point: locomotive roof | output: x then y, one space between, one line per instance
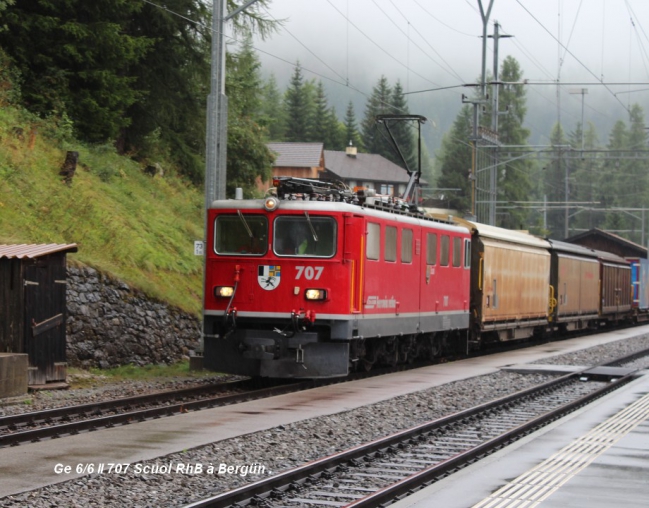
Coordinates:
339 207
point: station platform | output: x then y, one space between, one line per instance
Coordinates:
596 457
29 466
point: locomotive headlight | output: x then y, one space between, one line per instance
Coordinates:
223 291
271 203
315 294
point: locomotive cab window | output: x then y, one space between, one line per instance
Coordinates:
242 234
467 253
304 236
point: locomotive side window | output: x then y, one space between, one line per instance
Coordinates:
308 236
457 251
467 253
444 250
373 240
244 234
390 243
406 246
431 248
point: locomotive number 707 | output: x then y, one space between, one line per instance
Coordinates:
309 272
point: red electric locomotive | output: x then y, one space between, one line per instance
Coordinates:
317 281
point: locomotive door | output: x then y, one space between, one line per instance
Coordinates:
354 255
428 297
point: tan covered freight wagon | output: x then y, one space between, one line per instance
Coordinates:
510 283
574 286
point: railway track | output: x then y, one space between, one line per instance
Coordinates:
52 423
70 420
382 471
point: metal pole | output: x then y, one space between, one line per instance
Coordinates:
485 20
567 190
582 118
217 112
217 107
493 187
496 87
483 92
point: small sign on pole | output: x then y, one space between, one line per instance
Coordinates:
199 248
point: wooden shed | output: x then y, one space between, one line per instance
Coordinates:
33 307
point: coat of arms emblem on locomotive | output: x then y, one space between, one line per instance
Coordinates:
268 276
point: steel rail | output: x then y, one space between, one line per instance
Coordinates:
276 485
94 408
72 428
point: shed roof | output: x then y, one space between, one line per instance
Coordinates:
364 166
34 250
297 155
626 248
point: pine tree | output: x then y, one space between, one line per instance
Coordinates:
272 115
249 159
455 163
335 137
404 132
586 171
297 106
513 179
374 139
554 183
318 124
351 129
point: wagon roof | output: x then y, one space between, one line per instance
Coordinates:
518 237
573 248
34 250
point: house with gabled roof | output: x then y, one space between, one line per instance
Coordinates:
300 160
310 160
367 170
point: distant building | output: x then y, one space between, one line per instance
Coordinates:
599 239
301 160
365 170
309 160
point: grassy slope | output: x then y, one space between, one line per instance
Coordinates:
135 227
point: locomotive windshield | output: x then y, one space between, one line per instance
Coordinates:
305 236
242 234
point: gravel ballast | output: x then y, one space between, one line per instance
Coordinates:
272 451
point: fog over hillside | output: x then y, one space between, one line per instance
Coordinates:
429 44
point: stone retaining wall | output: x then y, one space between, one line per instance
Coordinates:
110 324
